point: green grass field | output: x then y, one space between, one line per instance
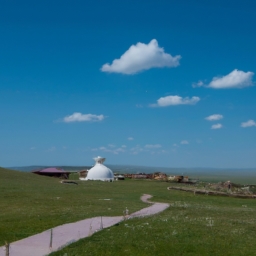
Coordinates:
193 225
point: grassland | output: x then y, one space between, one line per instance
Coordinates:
193 225
31 203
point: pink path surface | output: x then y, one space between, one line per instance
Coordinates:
39 244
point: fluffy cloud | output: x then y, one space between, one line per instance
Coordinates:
235 79
198 84
148 148
216 126
110 149
79 117
175 100
141 57
249 123
136 150
184 142
214 117
130 138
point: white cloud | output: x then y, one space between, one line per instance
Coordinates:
130 138
214 117
198 84
235 79
148 148
249 123
153 146
141 57
136 150
184 142
174 101
79 117
120 150
216 126
110 149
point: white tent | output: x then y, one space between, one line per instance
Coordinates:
99 171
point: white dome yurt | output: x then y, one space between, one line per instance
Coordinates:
99 171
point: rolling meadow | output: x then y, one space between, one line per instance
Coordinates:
192 225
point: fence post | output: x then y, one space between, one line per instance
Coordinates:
101 224
51 240
90 230
7 249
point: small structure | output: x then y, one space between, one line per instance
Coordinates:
139 175
53 172
128 175
160 176
83 173
119 177
99 171
181 179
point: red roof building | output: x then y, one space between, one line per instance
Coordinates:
53 172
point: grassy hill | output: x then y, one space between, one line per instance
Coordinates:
32 203
193 225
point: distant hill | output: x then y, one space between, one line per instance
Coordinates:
118 168
147 169
242 176
38 167
25 168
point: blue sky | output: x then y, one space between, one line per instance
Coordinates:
158 83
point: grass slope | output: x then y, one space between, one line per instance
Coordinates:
31 203
193 225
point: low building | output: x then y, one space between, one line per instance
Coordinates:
53 172
139 176
119 177
159 176
83 174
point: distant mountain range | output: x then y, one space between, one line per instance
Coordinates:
148 169
242 176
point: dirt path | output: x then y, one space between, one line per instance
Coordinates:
39 244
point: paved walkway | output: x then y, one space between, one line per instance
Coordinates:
39 244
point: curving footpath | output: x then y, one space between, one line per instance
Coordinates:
55 239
